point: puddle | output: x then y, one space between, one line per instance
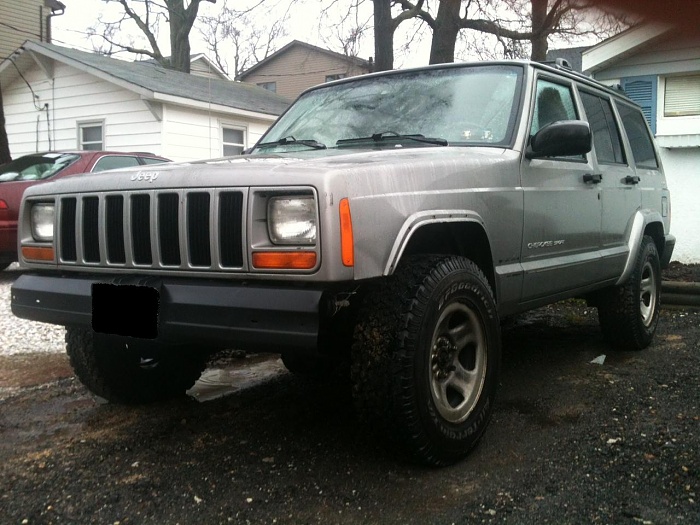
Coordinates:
218 382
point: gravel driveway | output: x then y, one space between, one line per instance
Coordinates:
19 336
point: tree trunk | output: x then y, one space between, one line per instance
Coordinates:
4 143
383 36
447 26
179 35
539 39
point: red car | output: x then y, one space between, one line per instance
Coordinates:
18 175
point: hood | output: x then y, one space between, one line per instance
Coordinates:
306 168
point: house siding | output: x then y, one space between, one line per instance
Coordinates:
300 68
72 97
27 19
192 135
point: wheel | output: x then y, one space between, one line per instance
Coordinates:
426 357
629 314
131 371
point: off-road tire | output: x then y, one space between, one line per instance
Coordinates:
128 371
398 371
629 314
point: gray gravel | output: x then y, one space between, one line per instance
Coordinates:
19 336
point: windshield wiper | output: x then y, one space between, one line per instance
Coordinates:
384 135
291 140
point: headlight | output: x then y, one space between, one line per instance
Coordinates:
42 222
292 220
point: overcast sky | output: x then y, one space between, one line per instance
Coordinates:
69 29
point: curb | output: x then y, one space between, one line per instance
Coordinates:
675 293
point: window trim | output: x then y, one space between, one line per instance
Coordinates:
236 127
103 157
81 124
664 90
616 119
578 107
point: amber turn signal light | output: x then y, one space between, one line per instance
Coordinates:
302 260
347 248
37 253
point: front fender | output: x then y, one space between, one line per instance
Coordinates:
420 219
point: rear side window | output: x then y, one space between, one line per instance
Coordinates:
638 136
114 161
606 135
149 160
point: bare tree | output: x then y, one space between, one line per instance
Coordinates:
515 25
245 39
348 25
147 16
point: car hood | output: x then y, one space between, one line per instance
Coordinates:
307 168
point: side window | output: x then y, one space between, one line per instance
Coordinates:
113 162
606 135
638 136
553 102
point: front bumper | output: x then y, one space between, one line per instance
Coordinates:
212 312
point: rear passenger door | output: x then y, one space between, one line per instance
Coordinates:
620 194
561 234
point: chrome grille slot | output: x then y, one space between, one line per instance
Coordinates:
68 244
115 229
169 229
198 240
141 229
91 230
231 229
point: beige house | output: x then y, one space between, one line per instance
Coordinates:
299 66
22 20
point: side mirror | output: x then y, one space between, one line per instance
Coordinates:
562 138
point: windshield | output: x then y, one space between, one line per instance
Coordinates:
473 105
36 167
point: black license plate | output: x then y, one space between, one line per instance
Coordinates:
129 310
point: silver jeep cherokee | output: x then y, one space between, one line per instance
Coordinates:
382 228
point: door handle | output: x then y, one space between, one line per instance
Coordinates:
593 178
632 179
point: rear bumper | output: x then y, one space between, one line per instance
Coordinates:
212 312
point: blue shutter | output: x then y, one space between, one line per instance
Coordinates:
643 91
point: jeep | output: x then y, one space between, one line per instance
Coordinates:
380 230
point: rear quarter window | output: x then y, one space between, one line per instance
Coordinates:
638 136
114 162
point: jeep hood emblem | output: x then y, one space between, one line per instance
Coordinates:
148 176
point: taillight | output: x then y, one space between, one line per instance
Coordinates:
3 205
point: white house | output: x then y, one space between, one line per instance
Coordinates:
60 98
659 68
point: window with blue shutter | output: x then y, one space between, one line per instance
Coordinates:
642 90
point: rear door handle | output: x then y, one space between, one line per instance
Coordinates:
593 178
632 179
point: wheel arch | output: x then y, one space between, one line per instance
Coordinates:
645 222
455 233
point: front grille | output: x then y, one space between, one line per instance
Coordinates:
187 230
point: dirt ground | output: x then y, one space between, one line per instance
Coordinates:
571 441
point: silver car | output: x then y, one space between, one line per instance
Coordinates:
379 230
